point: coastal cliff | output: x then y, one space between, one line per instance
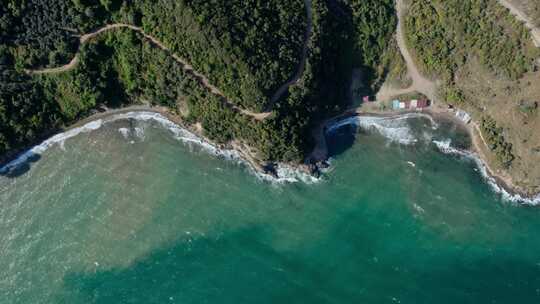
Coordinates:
267 76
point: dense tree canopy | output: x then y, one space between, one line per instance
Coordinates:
446 34
246 48
25 112
45 32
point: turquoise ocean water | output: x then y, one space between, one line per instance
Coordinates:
127 213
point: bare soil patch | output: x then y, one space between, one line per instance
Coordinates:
512 105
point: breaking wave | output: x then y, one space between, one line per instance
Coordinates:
285 173
124 131
445 146
394 128
57 139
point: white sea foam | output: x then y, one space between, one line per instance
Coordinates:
292 174
139 132
57 139
419 209
286 173
446 147
394 128
124 132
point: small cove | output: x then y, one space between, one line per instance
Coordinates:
129 213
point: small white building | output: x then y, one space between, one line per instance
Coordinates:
463 116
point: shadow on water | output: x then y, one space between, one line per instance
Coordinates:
422 129
459 134
21 168
235 267
414 273
241 266
341 139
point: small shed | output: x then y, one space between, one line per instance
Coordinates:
368 98
402 105
422 103
414 104
463 116
395 104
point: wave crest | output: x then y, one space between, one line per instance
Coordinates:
445 146
394 128
56 139
285 173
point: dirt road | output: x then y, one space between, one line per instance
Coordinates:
521 16
301 67
189 69
420 83
186 66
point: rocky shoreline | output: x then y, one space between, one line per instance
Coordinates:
502 182
317 161
502 179
270 171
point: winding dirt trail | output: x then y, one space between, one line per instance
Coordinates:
189 68
420 83
521 16
302 66
186 66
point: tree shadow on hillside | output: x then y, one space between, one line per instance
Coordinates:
341 139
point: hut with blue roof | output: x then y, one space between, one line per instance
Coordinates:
395 104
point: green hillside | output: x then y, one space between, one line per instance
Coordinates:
246 49
265 73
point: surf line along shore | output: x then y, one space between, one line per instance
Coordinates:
189 134
308 172
500 182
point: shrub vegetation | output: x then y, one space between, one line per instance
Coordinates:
246 48
446 34
496 141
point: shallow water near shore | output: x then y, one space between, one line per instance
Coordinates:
127 213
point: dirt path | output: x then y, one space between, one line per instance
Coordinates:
521 16
186 66
301 67
387 92
420 83
189 69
